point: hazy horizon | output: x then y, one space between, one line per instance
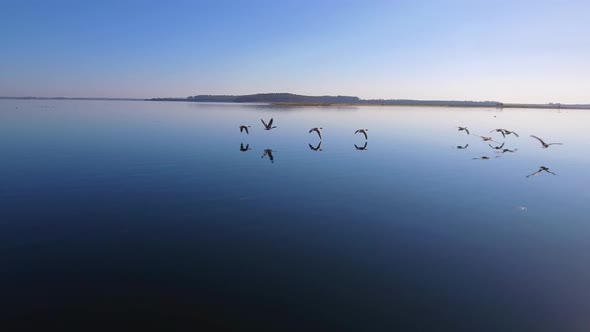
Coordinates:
529 52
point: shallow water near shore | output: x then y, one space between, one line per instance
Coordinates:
150 211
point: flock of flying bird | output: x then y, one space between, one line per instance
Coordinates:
317 130
501 149
498 149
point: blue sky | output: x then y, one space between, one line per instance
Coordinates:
511 51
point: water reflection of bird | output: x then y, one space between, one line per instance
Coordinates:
463 129
541 169
268 152
244 149
497 147
362 131
364 147
268 126
501 131
316 148
317 130
484 158
243 127
462 147
545 145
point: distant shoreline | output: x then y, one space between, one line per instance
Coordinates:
541 106
268 99
73 98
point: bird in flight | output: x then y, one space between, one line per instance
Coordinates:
243 127
501 131
497 147
507 150
268 152
462 147
362 148
463 129
244 149
487 138
541 169
317 130
510 132
545 145
316 148
362 131
268 126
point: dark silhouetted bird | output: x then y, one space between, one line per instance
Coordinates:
507 150
510 132
242 128
317 130
463 129
541 169
545 145
488 139
268 126
362 131
268 153
501 131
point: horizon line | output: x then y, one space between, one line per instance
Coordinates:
260 93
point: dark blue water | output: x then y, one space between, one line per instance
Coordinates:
147 213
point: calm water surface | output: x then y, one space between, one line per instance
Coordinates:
147 212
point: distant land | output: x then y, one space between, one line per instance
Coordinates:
289 99
67 98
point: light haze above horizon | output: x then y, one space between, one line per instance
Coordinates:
509 51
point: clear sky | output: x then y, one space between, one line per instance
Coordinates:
510 51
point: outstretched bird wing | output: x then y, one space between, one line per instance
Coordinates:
515 134
319 134
270 122
246 128
540 140
264 123
365 133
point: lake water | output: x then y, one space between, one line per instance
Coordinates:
148 212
